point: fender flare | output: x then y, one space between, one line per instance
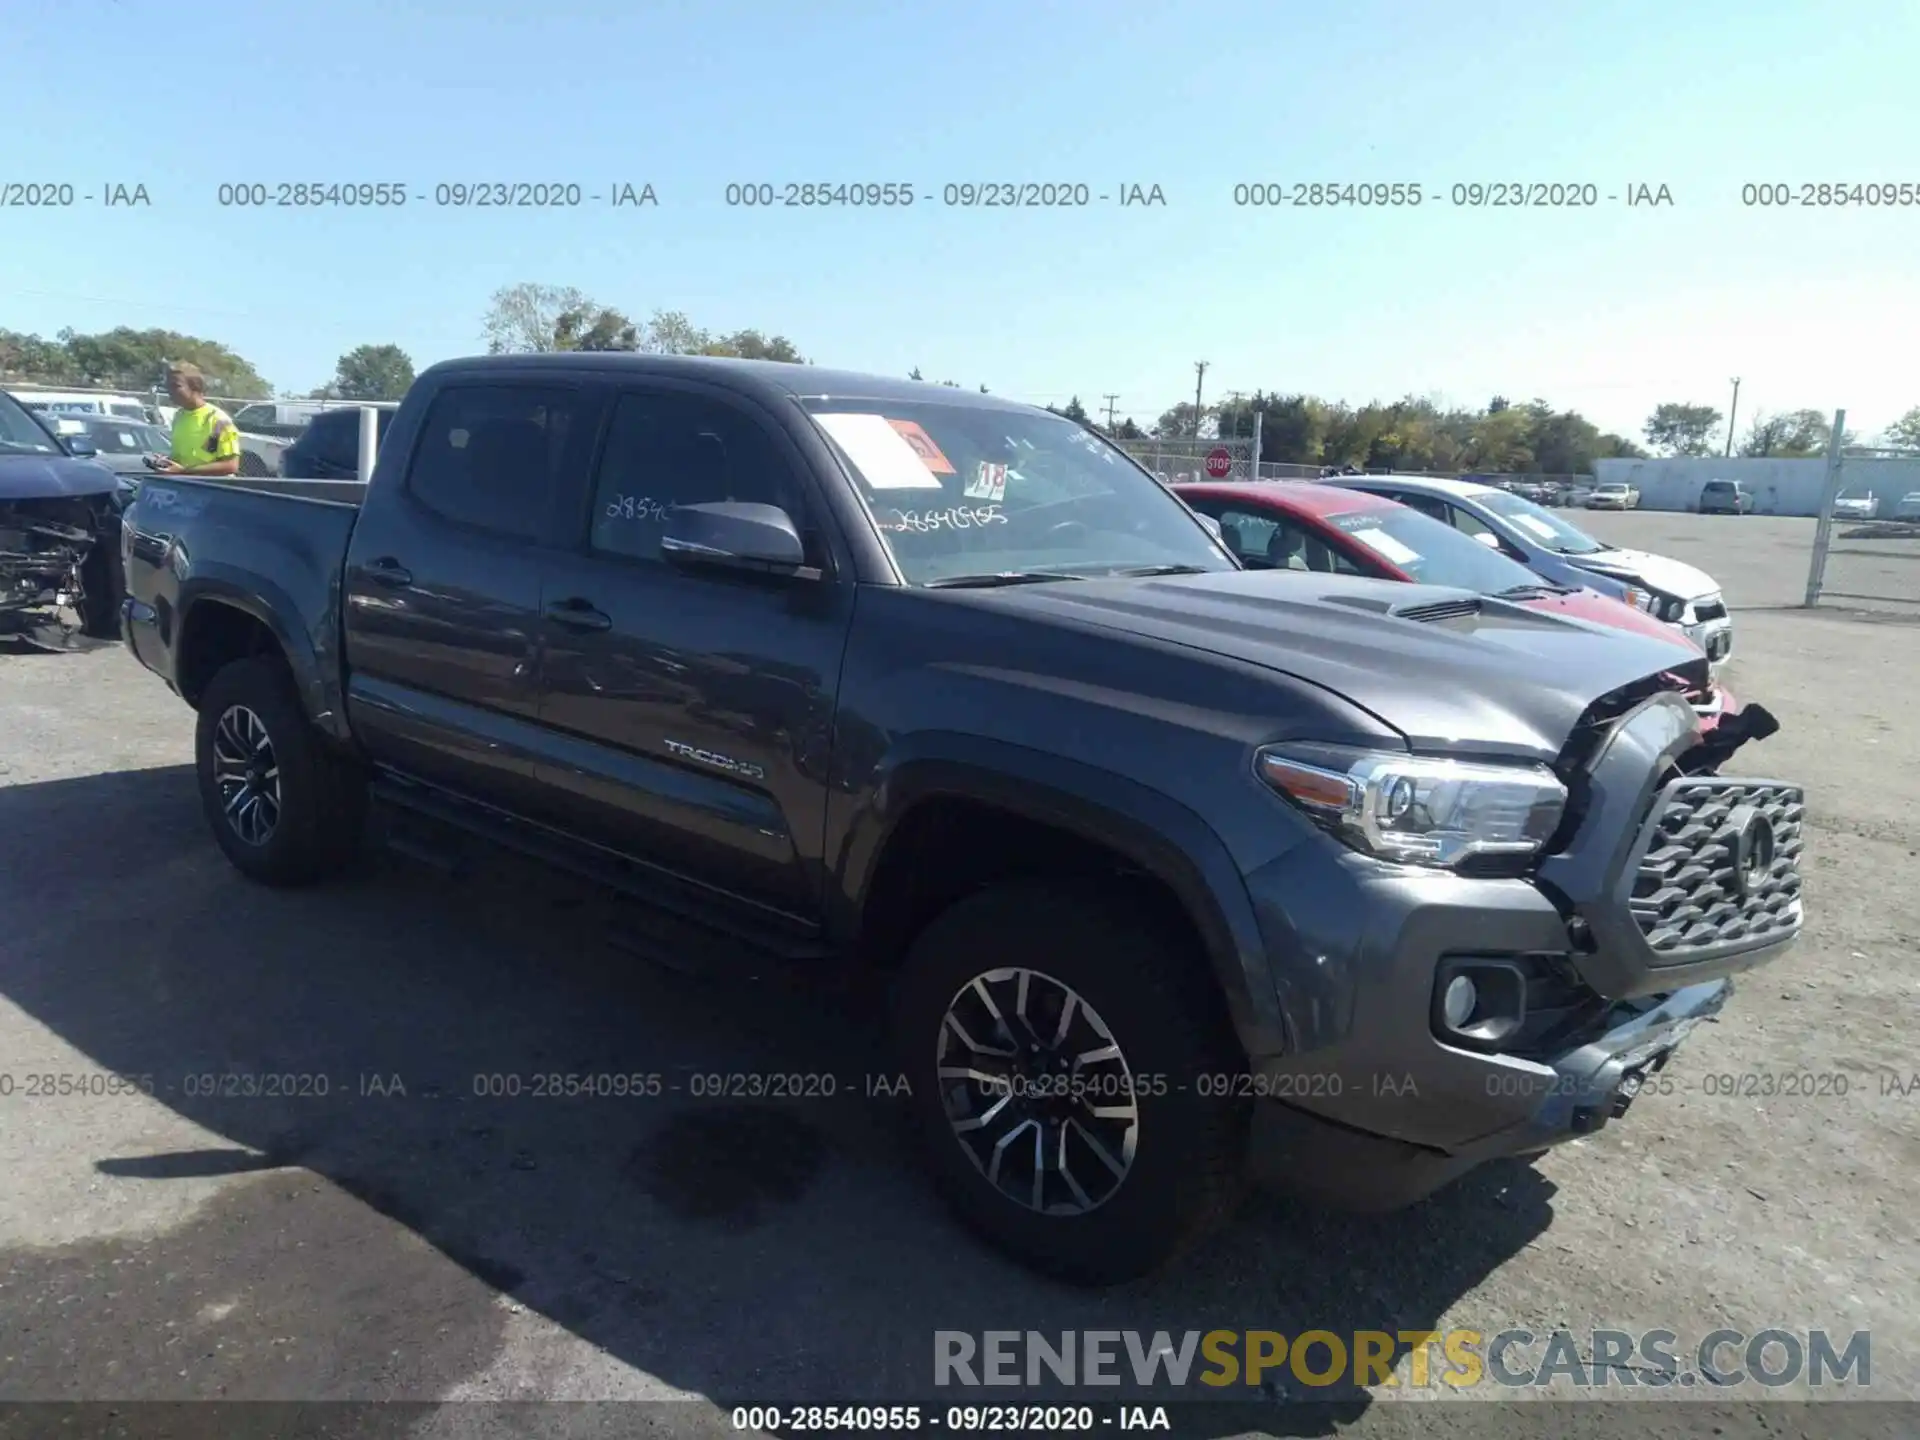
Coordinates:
266 602
1152 830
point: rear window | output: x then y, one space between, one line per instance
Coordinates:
491 456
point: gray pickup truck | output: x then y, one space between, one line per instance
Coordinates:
1178 874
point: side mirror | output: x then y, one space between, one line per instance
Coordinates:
735 535
81 447
1213 526
1488 539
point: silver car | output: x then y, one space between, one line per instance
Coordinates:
1856 505
1551 545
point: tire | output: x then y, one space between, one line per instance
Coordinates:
320 814
254 466
1154 995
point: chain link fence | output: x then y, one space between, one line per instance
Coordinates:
1176 462
1866 543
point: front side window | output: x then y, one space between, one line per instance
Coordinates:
961 491
491 455
668 448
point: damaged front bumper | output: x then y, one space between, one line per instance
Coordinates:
55 568
1673 880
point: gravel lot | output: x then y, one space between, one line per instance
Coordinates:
435 1245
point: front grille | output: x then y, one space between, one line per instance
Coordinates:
1700 887
1714 609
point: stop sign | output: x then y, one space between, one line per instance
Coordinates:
1219 462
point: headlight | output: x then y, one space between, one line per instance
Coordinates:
1417 810
1638 598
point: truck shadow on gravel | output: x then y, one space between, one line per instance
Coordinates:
397 1207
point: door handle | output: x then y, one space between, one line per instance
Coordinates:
579 614
388 571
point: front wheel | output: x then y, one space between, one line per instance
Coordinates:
1069 1067
285 808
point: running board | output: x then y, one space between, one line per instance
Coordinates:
666 921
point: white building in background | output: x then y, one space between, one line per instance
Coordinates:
1780 487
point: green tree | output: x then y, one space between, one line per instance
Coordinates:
1905 432
1177 423
1682 429
524 319
752 345
916 375
1792 434
373 372
595 327
124 358
29 357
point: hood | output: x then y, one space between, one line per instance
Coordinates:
42 477
1482 677
1657 572
1605 610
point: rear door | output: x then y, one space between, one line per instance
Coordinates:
442 585
689 712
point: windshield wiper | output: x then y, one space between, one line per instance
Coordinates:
1141 571
1004 577
1537 587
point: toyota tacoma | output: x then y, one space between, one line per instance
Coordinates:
1177 873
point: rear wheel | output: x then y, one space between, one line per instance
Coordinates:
285 808
1059 1042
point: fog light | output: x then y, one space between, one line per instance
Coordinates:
1462 995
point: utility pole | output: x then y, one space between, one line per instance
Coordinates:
1109 399
1199 374
1732 410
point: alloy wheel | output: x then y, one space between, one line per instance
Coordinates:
247 775
1037 1091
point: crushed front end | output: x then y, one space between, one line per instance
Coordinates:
55 568
1466 1018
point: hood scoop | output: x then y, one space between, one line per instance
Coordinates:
1438 610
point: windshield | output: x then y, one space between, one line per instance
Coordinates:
1543 527
1431 552
126 437
966 490
20 433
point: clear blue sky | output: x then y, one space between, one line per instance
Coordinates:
1608 310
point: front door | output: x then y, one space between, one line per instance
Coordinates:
689 712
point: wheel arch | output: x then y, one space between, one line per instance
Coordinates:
1093 818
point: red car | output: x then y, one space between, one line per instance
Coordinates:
1289 525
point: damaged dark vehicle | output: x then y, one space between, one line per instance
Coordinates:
60 510
1176 873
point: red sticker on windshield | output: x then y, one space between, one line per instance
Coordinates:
924 447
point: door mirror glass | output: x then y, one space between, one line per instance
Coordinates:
740 535
81 447
1488 539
